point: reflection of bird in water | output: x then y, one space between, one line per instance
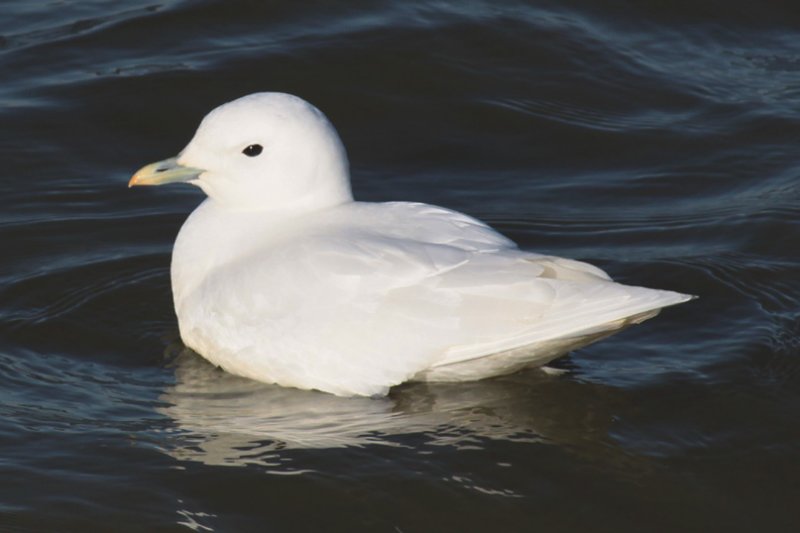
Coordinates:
222 419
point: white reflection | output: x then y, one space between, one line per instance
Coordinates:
226 420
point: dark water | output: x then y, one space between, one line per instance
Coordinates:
656 139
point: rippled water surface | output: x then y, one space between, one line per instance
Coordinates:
658 140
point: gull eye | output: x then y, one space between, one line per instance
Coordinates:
252 150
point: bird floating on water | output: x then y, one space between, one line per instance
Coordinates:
280 276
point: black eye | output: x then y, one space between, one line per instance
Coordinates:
252 150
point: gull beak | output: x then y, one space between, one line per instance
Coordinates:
166 171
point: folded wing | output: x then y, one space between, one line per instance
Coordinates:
425 293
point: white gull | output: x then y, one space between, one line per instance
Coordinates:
280 276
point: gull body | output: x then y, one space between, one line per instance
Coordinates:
280 276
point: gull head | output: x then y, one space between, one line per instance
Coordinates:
264 151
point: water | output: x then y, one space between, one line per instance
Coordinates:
657 140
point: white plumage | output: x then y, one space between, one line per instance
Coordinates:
281 277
